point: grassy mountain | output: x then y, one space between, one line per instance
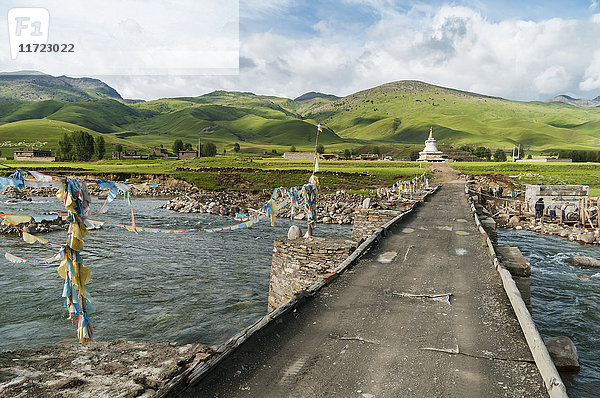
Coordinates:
567 100
402 112
37 86
393 115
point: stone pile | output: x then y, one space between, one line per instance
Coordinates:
335 208
13 193
36 228
40 192
301 262
573 233
368 220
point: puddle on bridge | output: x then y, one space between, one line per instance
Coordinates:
444 228
462 233
387 257
459 251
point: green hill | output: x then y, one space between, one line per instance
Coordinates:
402 112
45 133
103 116
393 115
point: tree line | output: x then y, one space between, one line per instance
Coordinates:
205 149
81 145
580 156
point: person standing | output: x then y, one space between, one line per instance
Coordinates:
552 210
539 209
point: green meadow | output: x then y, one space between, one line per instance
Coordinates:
240 173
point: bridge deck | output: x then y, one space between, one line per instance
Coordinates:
361 338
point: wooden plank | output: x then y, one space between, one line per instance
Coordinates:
552 380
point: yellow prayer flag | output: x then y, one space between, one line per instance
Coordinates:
33 239
131 228
15 219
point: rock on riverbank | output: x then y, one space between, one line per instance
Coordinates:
95 369
335 208
573 233
13 193
581 261
36 228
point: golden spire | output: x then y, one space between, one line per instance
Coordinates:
430 133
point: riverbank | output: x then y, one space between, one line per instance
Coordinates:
96 369
338 208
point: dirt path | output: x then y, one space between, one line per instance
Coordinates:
444 173
363 336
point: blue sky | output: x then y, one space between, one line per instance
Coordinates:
296 19
523 50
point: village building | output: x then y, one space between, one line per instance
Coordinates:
431 153
160 152
368 156
36 155
187 155
299 156
309 156
128 155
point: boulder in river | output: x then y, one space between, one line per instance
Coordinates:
582 261
563 352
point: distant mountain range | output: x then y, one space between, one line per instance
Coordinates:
397 115
38 86
567 100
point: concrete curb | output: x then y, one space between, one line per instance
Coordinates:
197 372
552 381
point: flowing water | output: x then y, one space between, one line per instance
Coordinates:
182 287
563 303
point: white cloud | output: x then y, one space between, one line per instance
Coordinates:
553 79
594 4
592 75
454 46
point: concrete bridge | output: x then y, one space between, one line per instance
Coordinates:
424 313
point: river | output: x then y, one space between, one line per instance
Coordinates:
564 304
179 287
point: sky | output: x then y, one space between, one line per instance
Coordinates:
522 50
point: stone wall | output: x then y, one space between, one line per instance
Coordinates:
367 221
299 263
560 193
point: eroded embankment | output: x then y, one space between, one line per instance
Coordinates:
95 369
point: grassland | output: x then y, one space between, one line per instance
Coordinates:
44 133
241 173
547 174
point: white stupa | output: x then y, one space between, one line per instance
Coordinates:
431 153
